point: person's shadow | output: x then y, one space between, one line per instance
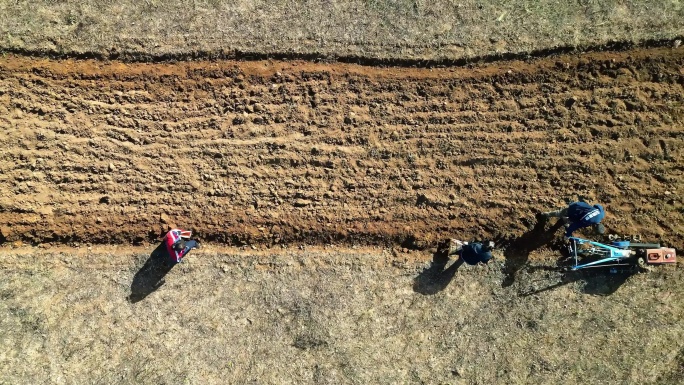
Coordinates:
437 276
517 250
150 277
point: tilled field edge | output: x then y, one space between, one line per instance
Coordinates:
145 56
434 30
271 152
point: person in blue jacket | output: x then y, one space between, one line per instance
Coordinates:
475 252
472 253
579 215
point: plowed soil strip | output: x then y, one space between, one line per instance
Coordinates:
275 152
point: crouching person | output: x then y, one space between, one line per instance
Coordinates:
578 215
178 244
472 253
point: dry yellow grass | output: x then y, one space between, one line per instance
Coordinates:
405 29
329 316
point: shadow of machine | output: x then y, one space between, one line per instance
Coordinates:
601 281
605 267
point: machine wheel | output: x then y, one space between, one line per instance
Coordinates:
642 265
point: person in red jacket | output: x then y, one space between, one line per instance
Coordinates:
177 246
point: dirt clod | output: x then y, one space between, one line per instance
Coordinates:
302 203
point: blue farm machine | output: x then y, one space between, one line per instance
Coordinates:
619 253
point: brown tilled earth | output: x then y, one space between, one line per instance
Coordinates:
275 155
278 152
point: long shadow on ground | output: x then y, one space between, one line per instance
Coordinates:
601 281
437 276
517 250
597 281
150 277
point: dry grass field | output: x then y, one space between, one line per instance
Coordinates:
329 316
378 29
320 189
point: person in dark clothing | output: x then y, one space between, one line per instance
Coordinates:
475 252
472 253
579 215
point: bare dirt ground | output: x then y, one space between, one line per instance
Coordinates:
280 152
328 316
282 155
368 29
